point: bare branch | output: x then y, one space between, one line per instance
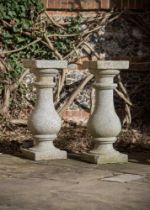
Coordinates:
75 94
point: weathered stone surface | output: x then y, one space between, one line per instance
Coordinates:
104 124
45 64
112 157
123 178
70 185
107 65
44 122
54 154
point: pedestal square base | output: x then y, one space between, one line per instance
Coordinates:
101 158
44 155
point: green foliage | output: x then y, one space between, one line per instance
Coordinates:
20 24
74 25
65 45
15 67
23 12
17 16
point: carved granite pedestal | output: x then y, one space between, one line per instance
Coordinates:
44 122
104 124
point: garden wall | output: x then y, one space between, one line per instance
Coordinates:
72 5
126 39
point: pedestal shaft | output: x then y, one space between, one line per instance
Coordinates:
44 119
104 124
44 122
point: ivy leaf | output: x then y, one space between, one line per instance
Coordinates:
20 39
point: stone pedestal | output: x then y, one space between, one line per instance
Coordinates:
44 122
104 124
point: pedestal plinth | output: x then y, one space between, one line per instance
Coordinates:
104 124
44 122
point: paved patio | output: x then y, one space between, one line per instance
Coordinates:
73 185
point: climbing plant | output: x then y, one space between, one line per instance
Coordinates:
24 33
27 31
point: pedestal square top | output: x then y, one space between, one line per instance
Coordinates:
107 65
45 64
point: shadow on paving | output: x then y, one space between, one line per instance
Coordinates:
136 154
72 185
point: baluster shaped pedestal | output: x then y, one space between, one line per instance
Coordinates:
44 122
104 124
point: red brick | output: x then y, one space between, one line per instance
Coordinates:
105 4
124 4
73 4
45 2
132 4
75 115
95 4
139 4
146 4
115 4
69 13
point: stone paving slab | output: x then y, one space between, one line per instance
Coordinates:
71 185
123 178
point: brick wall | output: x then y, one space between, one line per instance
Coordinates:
88 8
83 5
